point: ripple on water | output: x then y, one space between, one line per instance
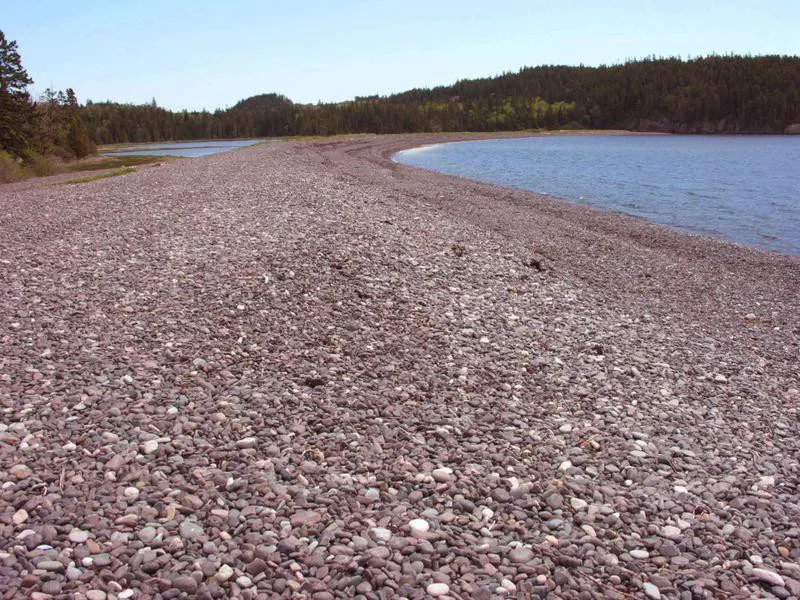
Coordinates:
744 189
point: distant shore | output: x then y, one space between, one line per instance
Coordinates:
305 369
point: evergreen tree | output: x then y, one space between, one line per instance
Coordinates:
717 94
77 138
15 105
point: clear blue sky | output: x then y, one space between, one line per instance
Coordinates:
210 54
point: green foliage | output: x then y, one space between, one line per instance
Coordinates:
78 139
263 102
736 94
732 94
111 162
40 133
37 164
15 107
10 168
110 123
59 127
30 164
89 179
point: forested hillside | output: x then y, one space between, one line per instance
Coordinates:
717 94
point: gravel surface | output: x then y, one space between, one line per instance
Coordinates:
300 370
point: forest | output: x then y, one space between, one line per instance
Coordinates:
36 135
714 94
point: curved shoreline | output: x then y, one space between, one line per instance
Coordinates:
633 250
692 227
259 372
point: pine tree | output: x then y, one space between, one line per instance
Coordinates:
15 104
78 141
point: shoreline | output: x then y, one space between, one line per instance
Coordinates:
687 229
711 262
302 369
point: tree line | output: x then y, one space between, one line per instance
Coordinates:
35 133
715 94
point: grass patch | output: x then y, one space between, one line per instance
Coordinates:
12 169
114 162
34 165
117 173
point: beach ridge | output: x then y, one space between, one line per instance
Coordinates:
305 370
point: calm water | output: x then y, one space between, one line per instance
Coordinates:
185 149
745 189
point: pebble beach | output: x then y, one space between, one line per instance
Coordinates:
301 370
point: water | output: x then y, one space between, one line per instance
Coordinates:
185 149
744 189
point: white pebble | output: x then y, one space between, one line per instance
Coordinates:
671 532
651 591
381 533
578 504
248 442
419 525
442 475
768 577
765 481
131 493
224 573
149 446
78 536
438 589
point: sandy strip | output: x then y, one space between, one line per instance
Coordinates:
303 370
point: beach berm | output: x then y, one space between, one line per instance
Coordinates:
301 370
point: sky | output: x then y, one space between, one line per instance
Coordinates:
212 53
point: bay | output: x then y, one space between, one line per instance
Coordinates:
744 189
